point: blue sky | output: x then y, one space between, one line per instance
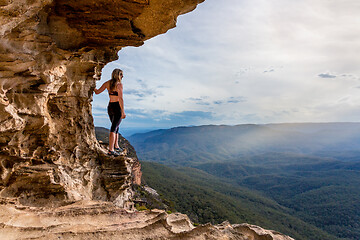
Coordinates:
244 61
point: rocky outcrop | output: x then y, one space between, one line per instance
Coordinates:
51 54
43 183
103 220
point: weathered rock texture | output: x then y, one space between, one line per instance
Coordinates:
101 220
51 54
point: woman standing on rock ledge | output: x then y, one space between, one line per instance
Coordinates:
115 108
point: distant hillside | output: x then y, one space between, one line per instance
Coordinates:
102 134
312 169
187 145
205 198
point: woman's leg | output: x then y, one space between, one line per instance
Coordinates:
116 145
112 134
115 118
112 138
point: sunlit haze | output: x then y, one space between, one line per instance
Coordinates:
244 61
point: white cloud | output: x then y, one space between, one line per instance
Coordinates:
264 61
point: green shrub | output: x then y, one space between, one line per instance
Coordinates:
140 208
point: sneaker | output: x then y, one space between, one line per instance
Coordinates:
118 149
113 153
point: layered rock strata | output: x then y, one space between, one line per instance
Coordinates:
51 54
103 220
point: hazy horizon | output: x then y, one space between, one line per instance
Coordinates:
129 131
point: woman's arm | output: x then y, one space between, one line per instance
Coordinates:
101 89
121 100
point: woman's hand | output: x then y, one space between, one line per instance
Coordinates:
123 115
101 89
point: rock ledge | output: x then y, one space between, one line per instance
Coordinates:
103 220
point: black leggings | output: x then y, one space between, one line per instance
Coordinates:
114 111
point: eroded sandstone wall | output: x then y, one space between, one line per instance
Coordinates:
51 54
